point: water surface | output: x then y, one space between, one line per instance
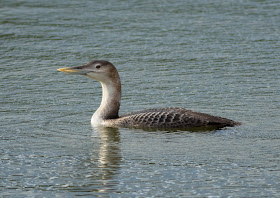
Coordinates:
218 57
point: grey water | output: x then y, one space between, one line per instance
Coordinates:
216 57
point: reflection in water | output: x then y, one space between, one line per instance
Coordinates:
109 157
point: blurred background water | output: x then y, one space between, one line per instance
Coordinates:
217 57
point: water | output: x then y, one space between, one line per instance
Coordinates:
218 57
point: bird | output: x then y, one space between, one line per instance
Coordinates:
107 114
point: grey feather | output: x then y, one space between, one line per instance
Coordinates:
172 118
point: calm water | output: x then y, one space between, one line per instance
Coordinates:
218 57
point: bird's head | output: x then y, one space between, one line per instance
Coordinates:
100 70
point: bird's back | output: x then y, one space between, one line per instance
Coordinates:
165 118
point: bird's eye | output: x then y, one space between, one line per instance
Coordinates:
97 66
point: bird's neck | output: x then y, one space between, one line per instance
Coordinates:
110 104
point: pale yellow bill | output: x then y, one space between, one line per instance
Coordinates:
68 70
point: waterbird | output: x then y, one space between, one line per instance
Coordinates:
158 118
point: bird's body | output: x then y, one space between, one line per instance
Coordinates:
173 118
162 118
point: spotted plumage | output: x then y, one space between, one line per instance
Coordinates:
167 118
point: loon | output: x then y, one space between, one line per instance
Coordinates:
160 118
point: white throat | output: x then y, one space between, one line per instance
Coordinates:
110 104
